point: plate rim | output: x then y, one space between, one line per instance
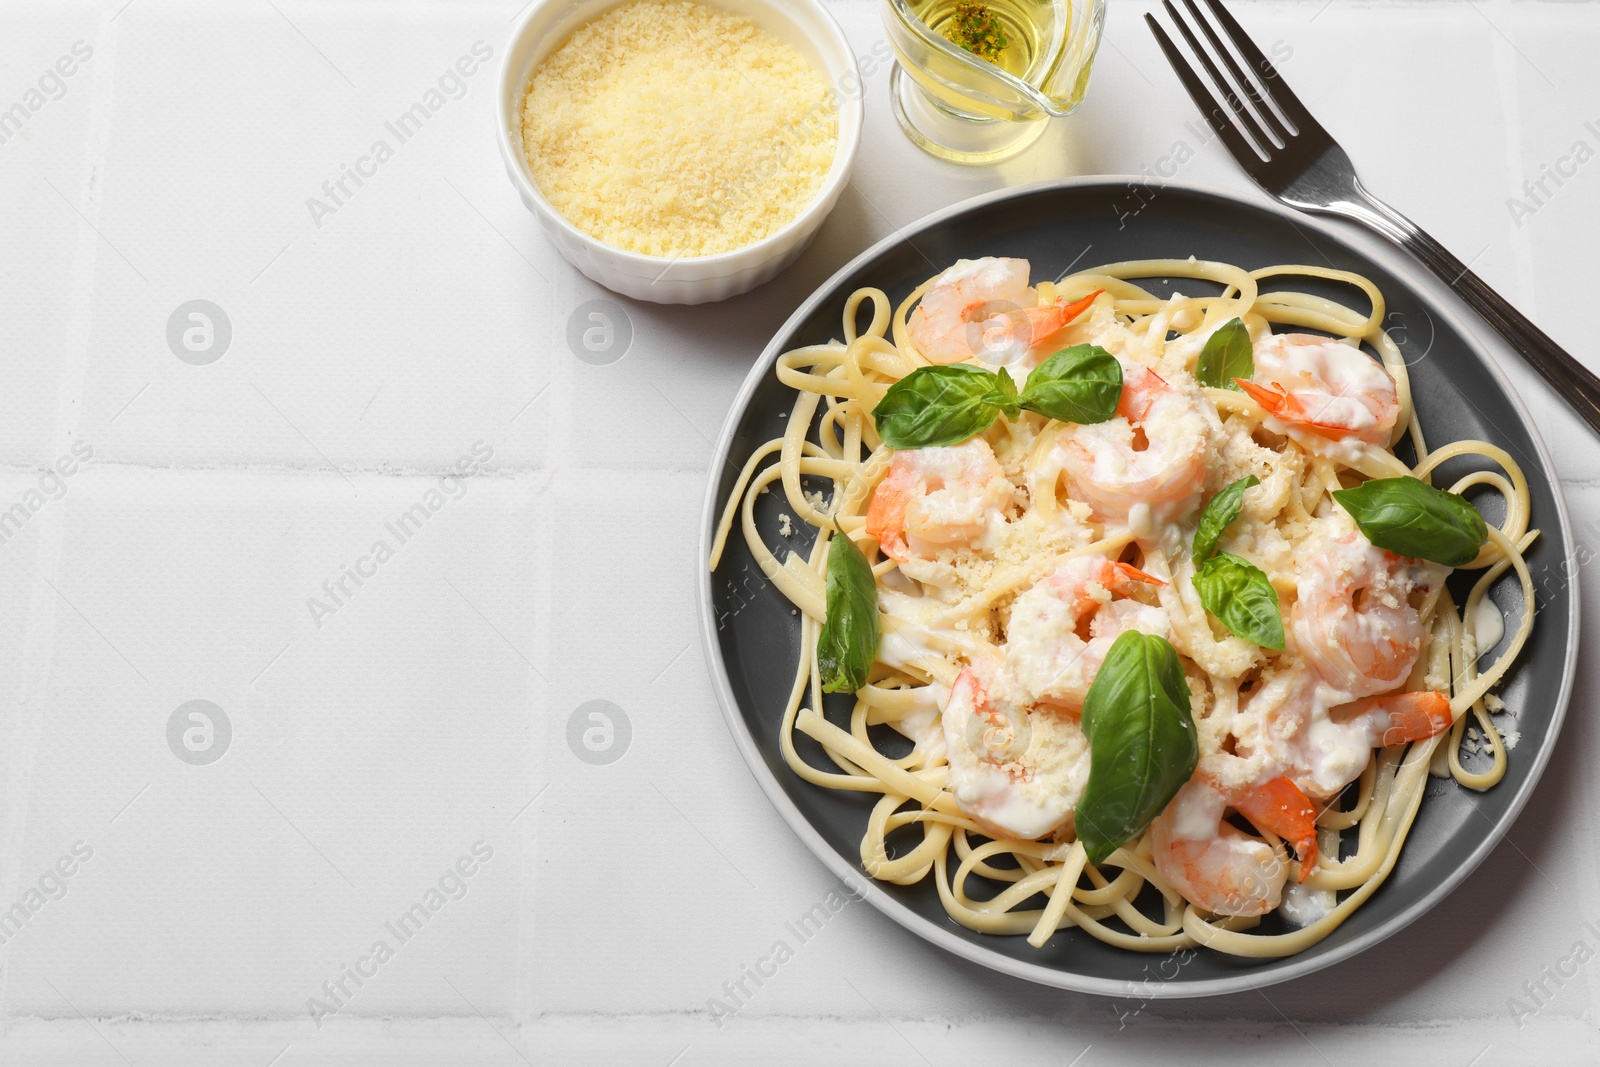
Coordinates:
929 931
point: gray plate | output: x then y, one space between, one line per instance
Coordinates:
751 638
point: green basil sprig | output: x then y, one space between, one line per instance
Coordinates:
946 405
1142 742
1240 594
849 640
1411 518
1231 587
1226 356
1219 514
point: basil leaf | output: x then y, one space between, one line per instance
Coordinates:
1226 356
941 405
1219 514
849 640
1079 384
1411 518
1142 743
1240 594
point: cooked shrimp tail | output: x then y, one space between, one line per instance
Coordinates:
1399 717
1044 323
1276 401
1280 807
1126 576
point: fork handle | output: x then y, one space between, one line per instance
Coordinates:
1571 380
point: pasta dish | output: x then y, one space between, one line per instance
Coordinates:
1139 601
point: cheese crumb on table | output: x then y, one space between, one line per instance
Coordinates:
672 128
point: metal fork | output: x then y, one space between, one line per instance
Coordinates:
1297 162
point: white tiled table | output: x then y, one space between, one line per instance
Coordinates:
374 746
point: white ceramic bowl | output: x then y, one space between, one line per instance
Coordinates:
804 24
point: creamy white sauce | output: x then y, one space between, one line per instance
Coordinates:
1333 753
910 637
1303 905
1488 624
921 725
981 787
1197 813
904 646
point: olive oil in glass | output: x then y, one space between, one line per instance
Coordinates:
975 82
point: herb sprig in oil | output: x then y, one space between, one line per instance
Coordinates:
975 28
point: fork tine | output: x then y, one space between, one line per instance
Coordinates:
1276 88
1213 112
1241 115
1264 112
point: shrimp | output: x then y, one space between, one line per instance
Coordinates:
985 309
1147 462
1306 729
1018 772
1397 718
938 498
1332 389
1353 619
1219 868
1060 630
1335 743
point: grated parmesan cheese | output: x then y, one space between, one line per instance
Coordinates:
672 128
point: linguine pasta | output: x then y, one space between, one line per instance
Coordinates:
957 618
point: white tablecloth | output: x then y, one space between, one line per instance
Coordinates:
380 732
